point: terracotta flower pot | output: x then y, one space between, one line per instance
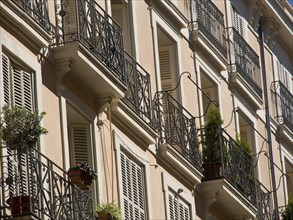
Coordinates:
19 205
80 178
104 216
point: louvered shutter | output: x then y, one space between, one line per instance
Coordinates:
178 209
120 15
284 75
206 102
80 143
22 89
133 189
238 22
165 69
6 79
244 133
290 185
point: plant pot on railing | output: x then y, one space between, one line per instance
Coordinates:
82 175
108 211
19 205
212 149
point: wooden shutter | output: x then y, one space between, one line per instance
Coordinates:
178 209
133 189
120 15
206 102
80 143
283 74
6 79
22 89
289 179
238 23
165 69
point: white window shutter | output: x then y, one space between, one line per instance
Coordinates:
80 143
165 69
133 189
178 209
6 79
238 22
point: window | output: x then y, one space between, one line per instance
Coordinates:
211 93
18 85
178 208
134 202
18 91
80 141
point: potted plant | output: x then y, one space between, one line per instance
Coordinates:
211 141
82 175
20 130
287 214
108 211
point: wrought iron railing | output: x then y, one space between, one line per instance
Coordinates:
236 166
37 9
86 22
284 102
210 21
138 94
33 185
176 126
244 60
263 202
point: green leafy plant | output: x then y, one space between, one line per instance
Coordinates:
242 143
211 138
21 128
85 168
110 208
287 214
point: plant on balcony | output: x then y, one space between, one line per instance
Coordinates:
211 142
82 175
287 214
21 128
242 143
108 211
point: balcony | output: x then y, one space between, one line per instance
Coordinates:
232 179
136 110
91 42
29 18
138 94
177 135
34 187
244 67
284 104
208 23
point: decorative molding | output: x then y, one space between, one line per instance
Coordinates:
63 66
257 10
271 30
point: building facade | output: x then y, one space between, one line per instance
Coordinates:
135 89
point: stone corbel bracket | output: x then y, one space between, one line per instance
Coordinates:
271 30
63 66
102 105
